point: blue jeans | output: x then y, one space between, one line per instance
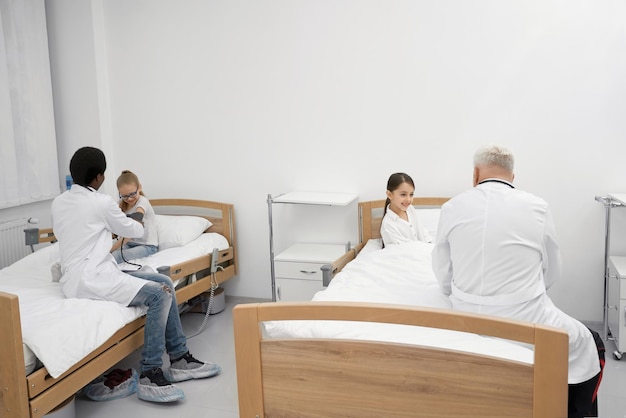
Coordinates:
132 250
163 330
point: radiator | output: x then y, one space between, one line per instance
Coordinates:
12 243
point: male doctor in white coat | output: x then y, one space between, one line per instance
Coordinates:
83 222
496 253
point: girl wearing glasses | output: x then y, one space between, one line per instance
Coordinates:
133 203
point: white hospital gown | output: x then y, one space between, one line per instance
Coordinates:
395 230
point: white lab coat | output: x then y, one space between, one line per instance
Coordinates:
83 221
395 230
496 253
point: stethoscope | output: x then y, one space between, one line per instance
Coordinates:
497 181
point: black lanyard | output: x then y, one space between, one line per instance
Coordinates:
497 181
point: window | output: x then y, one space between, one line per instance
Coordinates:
28 156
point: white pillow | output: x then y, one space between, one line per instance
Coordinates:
175 230
429 219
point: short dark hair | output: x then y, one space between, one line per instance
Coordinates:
86 164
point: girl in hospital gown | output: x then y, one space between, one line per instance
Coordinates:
400 222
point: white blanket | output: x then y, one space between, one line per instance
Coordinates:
61 331
402 275
58 330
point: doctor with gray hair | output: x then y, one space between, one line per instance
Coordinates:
496 253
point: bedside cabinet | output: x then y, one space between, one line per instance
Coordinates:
296 273
616 313
298 269
614 306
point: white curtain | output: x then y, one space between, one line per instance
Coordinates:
28 154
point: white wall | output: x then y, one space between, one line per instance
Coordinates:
232 100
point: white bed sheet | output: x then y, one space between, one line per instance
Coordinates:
61 331
202 245
400 274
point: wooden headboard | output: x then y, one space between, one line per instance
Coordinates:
220 214
371 214
309 378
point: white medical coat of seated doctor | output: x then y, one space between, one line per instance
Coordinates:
83 221
496 253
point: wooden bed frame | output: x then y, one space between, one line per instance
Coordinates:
38 393
349 378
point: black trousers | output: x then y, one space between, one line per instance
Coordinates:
583 397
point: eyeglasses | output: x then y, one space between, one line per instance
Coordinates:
129 195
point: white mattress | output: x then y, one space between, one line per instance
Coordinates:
60 331
400 274
202 245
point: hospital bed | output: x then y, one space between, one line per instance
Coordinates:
382 340
79 339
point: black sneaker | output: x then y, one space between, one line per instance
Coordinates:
154 387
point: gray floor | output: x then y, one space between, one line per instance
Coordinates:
217 397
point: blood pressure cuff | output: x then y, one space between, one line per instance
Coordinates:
138 216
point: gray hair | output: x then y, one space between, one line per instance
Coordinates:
494 155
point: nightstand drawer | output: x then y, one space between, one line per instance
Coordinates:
289 290
300 271
617 271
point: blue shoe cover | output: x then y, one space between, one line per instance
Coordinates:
206 370
102 388
152 393
187 367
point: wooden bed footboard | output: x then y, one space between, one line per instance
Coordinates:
335 377
13 390
37 394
